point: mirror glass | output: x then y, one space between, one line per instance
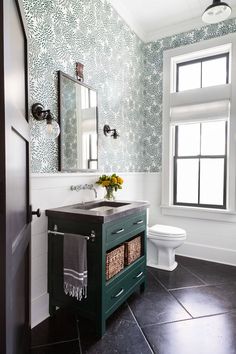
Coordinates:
78 114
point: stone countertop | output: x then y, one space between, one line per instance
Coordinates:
84 212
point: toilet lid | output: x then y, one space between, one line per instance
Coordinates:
165 230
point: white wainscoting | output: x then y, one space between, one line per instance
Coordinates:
206 239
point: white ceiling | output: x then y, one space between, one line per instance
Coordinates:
154 19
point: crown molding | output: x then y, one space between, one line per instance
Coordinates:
177 28
194 23
128 17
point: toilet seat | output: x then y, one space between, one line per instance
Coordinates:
166 232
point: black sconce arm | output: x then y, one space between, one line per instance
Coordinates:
39 113
107 130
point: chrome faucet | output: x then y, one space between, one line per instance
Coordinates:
84 186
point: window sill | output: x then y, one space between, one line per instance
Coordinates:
199 213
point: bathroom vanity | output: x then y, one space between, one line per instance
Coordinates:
108 225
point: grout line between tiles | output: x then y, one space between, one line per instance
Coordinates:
168 322
201 286
136 321
190 287
233 311
172 295
195 286
79 337
194 274
54 343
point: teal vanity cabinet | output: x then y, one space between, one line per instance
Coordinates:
106 230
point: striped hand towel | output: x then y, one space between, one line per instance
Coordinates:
75 266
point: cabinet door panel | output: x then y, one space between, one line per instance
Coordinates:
126 228
117 293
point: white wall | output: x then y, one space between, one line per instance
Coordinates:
206 239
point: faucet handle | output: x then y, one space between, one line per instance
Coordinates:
85 186
76 188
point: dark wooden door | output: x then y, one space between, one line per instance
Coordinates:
15 216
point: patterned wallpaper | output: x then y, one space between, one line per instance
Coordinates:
62 32
126 72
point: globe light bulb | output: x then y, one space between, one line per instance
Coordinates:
50 129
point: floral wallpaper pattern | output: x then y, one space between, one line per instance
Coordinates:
126 72
62 32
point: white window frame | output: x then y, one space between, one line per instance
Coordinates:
170 59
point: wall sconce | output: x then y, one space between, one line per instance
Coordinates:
107 130
51 128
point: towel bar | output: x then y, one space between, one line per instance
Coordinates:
91 237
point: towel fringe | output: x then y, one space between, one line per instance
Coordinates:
75 291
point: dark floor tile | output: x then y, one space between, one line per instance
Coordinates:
210 272
60 348
178 278
208 300
155 305
216 334
123 335
87 327
59 328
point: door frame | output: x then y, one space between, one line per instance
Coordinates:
5 242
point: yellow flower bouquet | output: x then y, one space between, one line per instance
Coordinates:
111 183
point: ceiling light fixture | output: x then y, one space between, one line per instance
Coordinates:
217 12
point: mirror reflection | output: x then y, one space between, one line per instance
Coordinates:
78 115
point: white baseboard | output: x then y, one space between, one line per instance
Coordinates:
39 309
208 253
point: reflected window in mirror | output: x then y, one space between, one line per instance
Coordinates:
78 114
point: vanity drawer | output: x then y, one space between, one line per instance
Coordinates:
118 232
116 294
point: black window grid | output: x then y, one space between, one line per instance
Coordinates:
201 60
199 157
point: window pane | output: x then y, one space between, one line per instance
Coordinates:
93 98
189 139
84 97
211 181
214 72
213 138
189 76
187 181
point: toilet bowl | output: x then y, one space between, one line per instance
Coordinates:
165 240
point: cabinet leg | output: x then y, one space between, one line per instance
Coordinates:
52 308
101 327
142 287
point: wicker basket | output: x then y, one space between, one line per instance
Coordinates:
132 250
114 261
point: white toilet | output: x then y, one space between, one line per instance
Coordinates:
165 239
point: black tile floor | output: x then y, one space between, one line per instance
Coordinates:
191 310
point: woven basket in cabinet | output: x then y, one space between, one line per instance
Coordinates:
132 250
114 261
